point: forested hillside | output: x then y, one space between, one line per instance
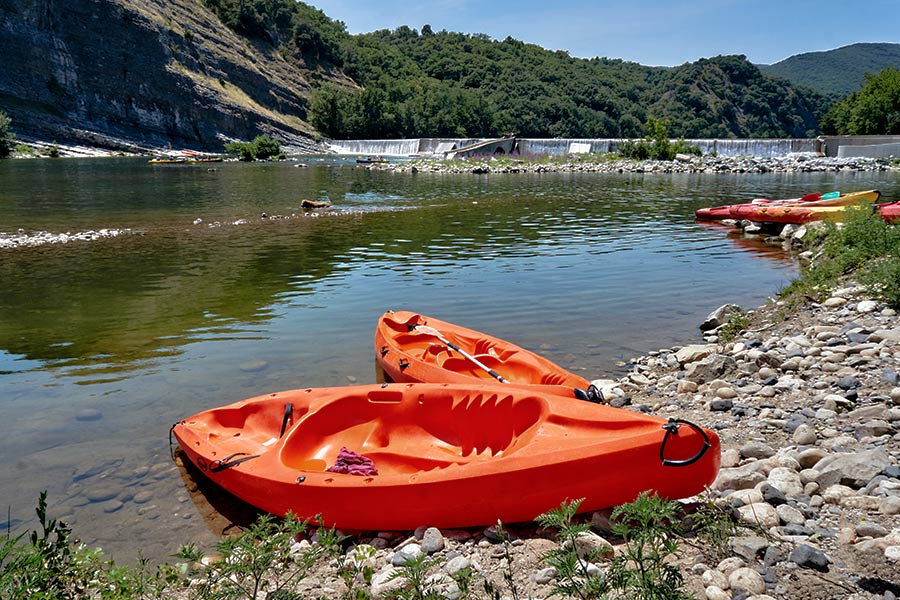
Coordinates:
442 84
430 84
836 72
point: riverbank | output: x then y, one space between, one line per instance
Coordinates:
609 163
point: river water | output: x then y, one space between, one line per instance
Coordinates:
105 344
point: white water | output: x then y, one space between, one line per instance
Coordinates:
767 148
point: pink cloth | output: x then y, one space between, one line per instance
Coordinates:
351 463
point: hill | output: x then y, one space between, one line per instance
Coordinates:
149 73
837 72
451 84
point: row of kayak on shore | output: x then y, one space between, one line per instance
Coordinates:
472 429
829 206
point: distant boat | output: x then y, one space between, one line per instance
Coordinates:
166 161
366 161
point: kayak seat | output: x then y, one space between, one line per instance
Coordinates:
413 434
251 422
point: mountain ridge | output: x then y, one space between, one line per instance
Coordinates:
839 71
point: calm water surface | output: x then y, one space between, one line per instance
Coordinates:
105 344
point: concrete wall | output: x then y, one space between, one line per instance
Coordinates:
829 145
869 151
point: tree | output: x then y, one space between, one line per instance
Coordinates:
7 138
872 110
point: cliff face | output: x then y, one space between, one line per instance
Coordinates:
135 74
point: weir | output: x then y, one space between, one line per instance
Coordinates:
441 147
843 146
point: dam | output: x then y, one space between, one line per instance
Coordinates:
844 146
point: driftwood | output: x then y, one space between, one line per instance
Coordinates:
314 203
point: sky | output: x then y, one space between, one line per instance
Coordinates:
649 32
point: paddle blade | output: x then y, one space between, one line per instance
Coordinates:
427 330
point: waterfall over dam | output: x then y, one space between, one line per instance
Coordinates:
439 147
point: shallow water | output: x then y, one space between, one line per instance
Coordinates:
105 344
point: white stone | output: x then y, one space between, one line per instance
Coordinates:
746 580
716 593
715 578
759 513
787 480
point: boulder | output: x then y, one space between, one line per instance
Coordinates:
720 316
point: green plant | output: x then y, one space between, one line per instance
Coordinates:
735 325
865 246
650 528
259 563
355 567
415 576
713 526
508 575
574 577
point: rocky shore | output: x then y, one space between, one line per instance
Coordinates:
806 401
595 163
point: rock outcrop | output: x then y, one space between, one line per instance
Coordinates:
140 74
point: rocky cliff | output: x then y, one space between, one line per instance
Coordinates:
141 74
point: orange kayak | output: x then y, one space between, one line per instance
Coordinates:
414 348
398 456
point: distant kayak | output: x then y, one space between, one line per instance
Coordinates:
741 210
414 348
889 212
399 456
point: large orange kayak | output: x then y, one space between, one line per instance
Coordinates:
718 213
414 348
443 455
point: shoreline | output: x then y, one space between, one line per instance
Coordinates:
806 401
603 163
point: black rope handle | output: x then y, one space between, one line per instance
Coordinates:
230 461
672 429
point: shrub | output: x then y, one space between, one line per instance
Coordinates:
261 148
865 246
7 138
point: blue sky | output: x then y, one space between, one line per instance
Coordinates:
651 32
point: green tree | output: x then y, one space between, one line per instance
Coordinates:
7 138
872 110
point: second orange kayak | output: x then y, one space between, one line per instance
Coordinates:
413 348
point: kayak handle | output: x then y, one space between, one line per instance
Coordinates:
672 429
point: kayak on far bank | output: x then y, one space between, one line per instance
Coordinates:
761 207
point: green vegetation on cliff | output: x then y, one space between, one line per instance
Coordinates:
7 139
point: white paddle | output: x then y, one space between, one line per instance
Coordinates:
435 333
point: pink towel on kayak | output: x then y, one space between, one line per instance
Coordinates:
351 463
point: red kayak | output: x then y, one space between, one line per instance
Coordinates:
889 212
399 456
417 349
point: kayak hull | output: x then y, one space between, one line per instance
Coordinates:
408 355
890 212
446 455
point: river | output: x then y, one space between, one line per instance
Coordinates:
202 301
